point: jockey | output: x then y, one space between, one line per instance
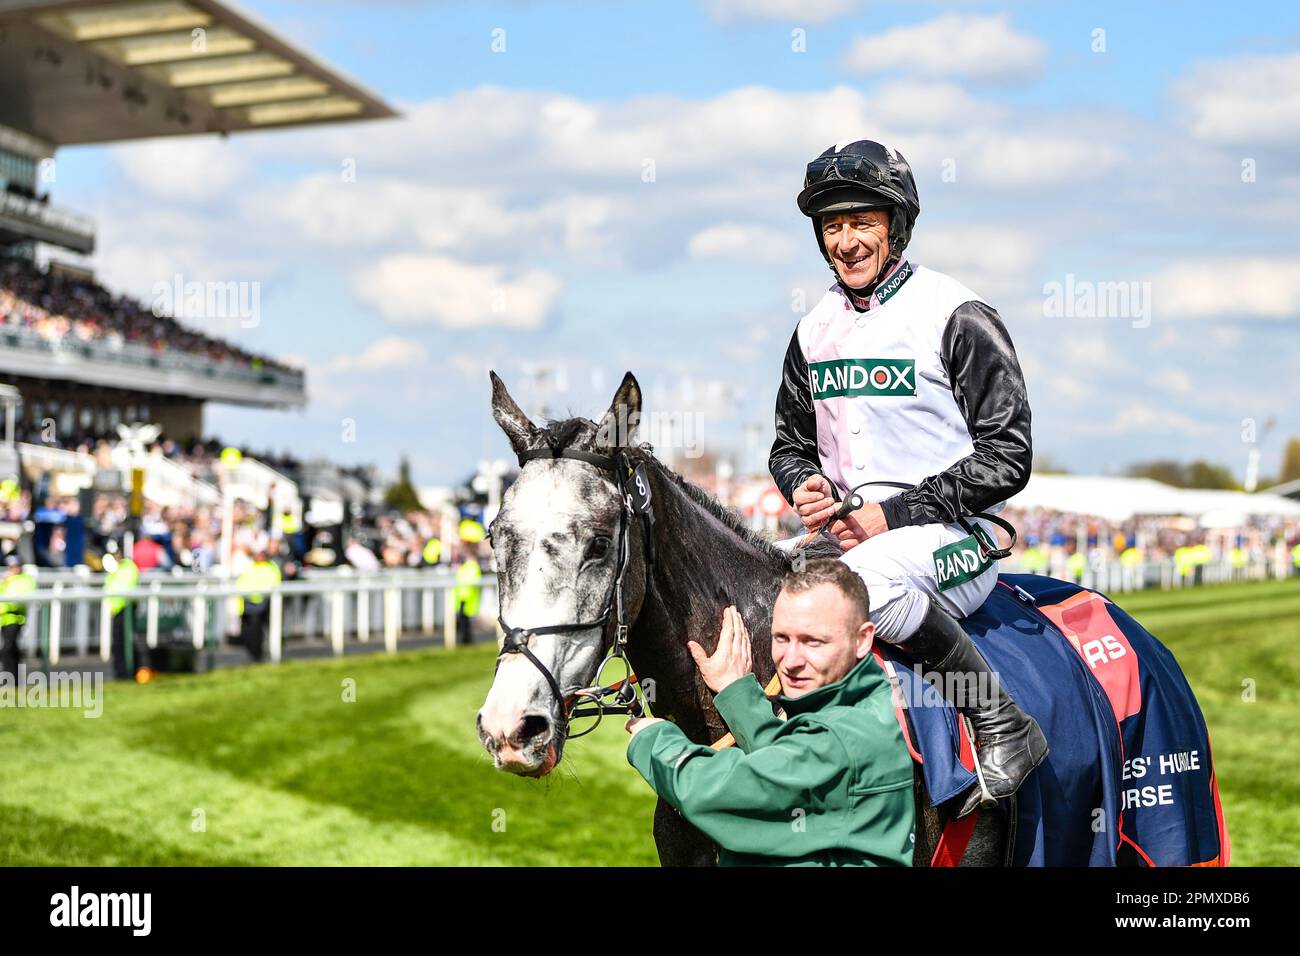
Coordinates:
902 378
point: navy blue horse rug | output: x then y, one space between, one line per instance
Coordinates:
1130 777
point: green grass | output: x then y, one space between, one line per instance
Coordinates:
286 772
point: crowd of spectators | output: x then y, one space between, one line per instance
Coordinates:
1159 537
1057 535
200 458
60 307
187 537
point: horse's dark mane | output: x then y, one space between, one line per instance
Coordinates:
572 432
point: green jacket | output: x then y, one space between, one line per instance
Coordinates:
830 786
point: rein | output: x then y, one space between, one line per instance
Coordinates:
853 501
634 494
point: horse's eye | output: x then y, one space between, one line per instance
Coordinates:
597 549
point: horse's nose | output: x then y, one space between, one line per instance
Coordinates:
514 737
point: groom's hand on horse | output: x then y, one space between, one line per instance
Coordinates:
814 502
731 659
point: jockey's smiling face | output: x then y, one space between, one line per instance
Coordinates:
858 244
817 637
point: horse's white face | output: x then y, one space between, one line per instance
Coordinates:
556 540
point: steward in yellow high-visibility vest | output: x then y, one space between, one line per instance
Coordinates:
1034 560
432 552
123 576
17 583
258 580
1130 557
471 531
1295 556
1075 565
13 616
466 595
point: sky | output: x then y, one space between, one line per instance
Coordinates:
575 190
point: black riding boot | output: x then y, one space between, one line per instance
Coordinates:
1010 742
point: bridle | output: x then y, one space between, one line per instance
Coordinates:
634 497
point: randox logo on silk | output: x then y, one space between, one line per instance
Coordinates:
895 283
958 563
851 377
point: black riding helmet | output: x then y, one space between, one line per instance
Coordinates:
862 175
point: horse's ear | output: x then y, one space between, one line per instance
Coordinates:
517 426
619 424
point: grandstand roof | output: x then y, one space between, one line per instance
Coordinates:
93 71
1289 489
1118 499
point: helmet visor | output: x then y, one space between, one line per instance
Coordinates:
832 199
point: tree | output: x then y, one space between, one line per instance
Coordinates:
1196 474
1203 474
1168 472
401 494
1291 461
1045 464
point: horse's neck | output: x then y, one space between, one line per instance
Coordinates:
702 566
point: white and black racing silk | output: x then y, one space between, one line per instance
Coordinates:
923 388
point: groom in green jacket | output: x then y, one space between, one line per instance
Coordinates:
829 783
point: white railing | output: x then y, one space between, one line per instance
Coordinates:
255 480
78 618
1112 576
56 459
165 481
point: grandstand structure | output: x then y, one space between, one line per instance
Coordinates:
82 359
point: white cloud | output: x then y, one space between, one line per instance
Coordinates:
796 11
1173 380
142 244
1089 353
979 48
1248 100
194 170
1037 160
390 209
993 262
1218 288
388 352
471 366
1070 389
1227 337
1142 418
924 104
552 147
424 288
742 241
